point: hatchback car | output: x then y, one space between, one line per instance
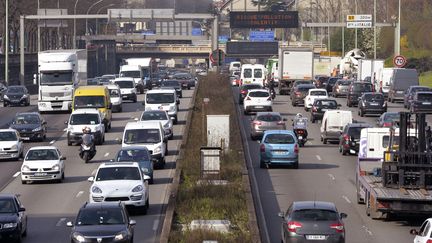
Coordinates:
102 222
12 218
30 125
388 119
349 141
424 235
257 100
299 93
11 145
312 95
341 87
173 84
279 147
356 89
300 82
320 106
186 79
310 221
16 95
138 154
422 102
162 117
43 163
410 92
264 121
371 103
244 89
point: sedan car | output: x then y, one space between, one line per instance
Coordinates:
257 100
30 125
422 102
11 145
300 82
186 80
349 141
298 93
341 88
410 92
371 103
12 218
138 154
356 89
43 163
173 84
264 121
102 222
310 221
244 89
312 95
388 119
16 95
162 117
320 106
279 147
424 235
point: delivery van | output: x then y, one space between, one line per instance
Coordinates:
333 123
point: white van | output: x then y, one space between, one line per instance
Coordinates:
252 74
234 66
115 97
333 123
384 79
127 88
162 99
149 134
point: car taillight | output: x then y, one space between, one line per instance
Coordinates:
297 93
387 124
296 149
429 241
383 205
338 227
262 148
362 173
346 137
300 131
292 226
248 98
243 91
314 109
281 123
257 123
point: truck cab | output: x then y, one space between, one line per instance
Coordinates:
135 72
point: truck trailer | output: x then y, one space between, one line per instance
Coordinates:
294 64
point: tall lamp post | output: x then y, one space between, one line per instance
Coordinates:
6 48
74 33
88 11
97 12
398 31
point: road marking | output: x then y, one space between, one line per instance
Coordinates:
332 176
106 154
318 157
59 223
52 142
79 194
367 230
16 174
346 199
155 224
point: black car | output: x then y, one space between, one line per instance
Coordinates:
186 80
349 141
30 125
299 93
13 220
372 103
173 84
410 92
356 89
299 82
320 81
422 102
330 83
320 106
102 222
244 89
16 95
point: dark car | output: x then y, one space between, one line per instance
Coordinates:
372 103
422 102
349 141
299 82
13 219
138 154
102 222
173 84
388 119
320 106
320 81
156 79
356 89
186 80
299 93
244 89
310 221
330 83
410 92
30 125
341 87
16 95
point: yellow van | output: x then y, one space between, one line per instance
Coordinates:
94 97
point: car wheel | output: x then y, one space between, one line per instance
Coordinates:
69 143
312 119
175 119
349 104
24 182
5 105
324 141
361 112
24 234
120 109
19 238
253 138
106 128
344 152
296 165
293 104
189 87
245 112
142 90
262 164
134 100
151 180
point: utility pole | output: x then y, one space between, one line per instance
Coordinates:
7 43
38 30
374 22
355 39
398 31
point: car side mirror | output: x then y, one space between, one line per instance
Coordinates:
90 179
44 122
66 122
132 222
143 103
118 140
21 210
69 224
343 215
35 79
146 177
136 119
178 102
281 214
63 158
413 232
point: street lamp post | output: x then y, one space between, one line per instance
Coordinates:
88 11
6 48
398 31
74 33
97 12
355 39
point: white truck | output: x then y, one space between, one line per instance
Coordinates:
60 72
368 70
384 80
294 64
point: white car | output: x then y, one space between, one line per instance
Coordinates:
43 163
127 88
121 181
81 118
11 145
162 99
115 97
162 117
312 95
257 100
424 235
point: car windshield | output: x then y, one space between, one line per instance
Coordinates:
132 155
56 78
42 154
418 89
170 84
259 94
7 206
15 89
103 81
374 97
253 86
118 173
247 73
279 139
8 136
130 74
269 118
318 93
332 80
100 216
391 116
302 88
315 215
160 98
344 82
182 76
303 82
89 102
327 104
125 84
84 119
424 97
114 93
152 116
355 131
364 87
133 136
257 73
23 119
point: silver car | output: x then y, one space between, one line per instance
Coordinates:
264 121
163 118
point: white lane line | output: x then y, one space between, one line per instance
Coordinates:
346 199
79 194
60 222
318 157
106 154
16 174
155 224
332 177
52 142
367 230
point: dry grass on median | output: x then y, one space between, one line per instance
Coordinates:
212 201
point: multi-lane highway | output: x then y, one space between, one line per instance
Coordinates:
49 205
323 174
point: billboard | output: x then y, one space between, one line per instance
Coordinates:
265 35
265 20
254 48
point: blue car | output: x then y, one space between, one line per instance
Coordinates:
279 147
138 154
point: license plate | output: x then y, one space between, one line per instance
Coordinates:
399 92
300 137
279 152
247 82
373 103
259 107
3 153
352 151
40 174
25 138
315 237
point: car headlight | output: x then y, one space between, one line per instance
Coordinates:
24 96
5 97
167 125
55 167
157 150
172 108
25 168
96 189
120 236
78 237
138 188
9 225
37 129
145 170
14 147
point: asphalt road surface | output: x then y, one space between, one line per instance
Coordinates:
323 174
49 206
